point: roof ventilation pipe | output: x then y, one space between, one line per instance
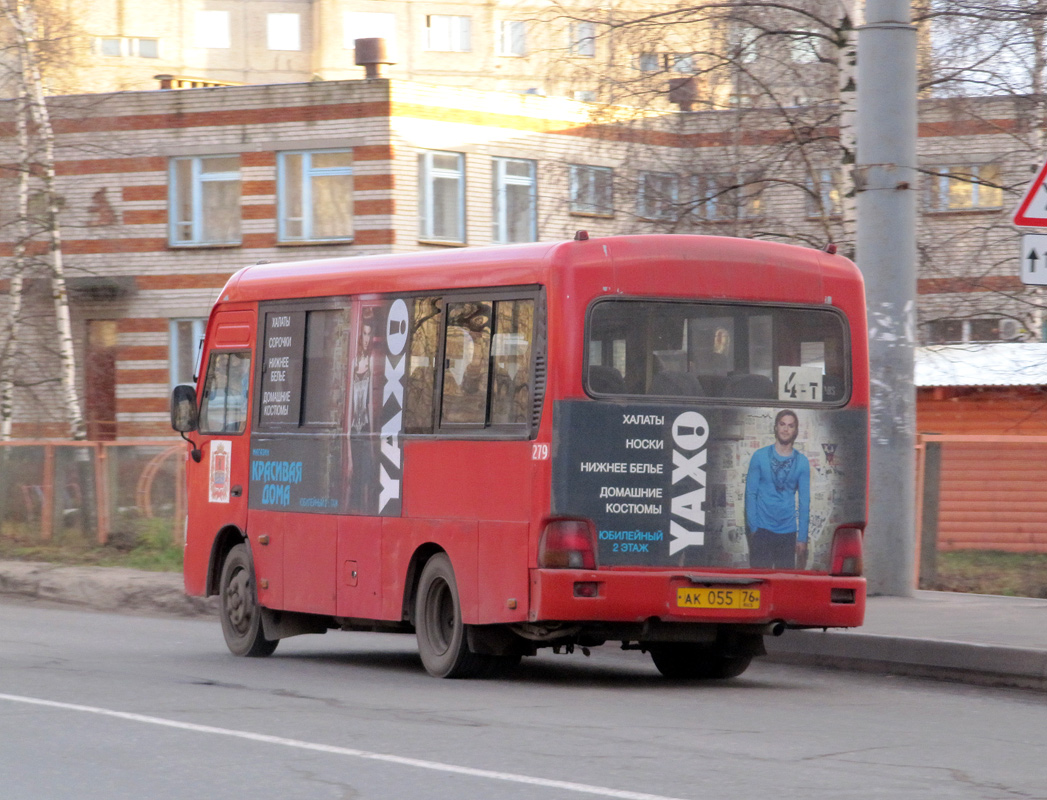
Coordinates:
372 55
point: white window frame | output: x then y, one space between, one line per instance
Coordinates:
582 39
663 200
713 203
136 46
501 180
585 190
683 63
199 328
512 38
102 41
824 194
199 177
942 176
213 31
745 44
649 62
427 174
448 33
283 31
308 173
805 47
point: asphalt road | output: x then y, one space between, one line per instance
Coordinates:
110 706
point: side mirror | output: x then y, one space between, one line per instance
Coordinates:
184 416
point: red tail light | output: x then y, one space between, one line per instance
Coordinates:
847 552
567 544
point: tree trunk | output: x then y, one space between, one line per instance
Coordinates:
19 14
9 354
851 16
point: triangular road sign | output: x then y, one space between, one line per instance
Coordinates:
1032 210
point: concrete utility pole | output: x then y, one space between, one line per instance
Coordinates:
886 252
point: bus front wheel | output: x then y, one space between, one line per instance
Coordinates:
240 613
685 661
442 642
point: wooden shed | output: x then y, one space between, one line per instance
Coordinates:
981 415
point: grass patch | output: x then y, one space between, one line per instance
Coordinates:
146 544
991 572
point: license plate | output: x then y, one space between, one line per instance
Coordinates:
690 597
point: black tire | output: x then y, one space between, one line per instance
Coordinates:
684 661
240 613
438 625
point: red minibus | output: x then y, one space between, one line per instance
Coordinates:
656 440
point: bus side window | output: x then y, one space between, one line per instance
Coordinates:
421 367
223 408
467 354
326 364
511 362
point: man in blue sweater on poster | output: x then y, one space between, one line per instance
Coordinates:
778 500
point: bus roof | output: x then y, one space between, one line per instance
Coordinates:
717 266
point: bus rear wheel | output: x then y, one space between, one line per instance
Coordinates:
442 641
240 613
685 661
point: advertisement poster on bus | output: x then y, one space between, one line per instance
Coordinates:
710 486
317 468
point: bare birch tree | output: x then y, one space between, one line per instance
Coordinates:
39 162
781 77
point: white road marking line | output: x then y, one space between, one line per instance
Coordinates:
436 766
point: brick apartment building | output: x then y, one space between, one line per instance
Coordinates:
167 193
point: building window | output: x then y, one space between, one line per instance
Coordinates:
146 48
212 30
584 95
441 196
316 195
449 34
185 345
110 46
649 62
824 196
727 197
658 195
804 47
744 44
205 200
591 191
969 187
684 63
957 331
514 201
512 38
283 31
115 46
582 39
369 25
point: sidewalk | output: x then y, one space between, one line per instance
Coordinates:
973 638
982 639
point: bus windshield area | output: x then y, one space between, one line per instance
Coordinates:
719 351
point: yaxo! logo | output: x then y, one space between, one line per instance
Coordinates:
396 327
690 433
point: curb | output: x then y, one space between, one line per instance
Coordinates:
963 662
135 591
104 588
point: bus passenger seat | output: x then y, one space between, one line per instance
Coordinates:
676 384
606 380
749 387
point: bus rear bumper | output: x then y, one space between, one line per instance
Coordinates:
635 596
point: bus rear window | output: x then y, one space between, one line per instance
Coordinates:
717 351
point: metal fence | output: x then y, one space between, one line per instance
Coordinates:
104 492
